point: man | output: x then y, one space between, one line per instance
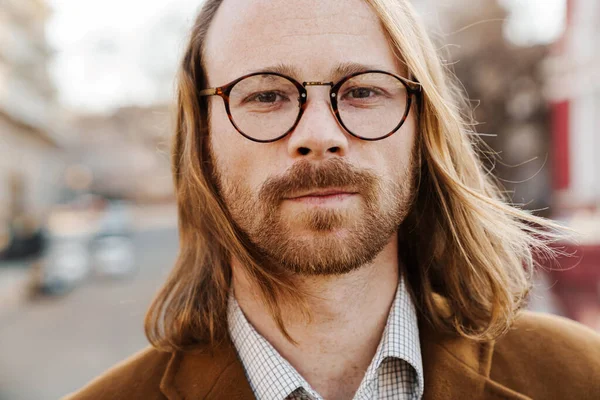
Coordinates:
339 237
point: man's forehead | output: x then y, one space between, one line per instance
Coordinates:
336 72
241 11
326 38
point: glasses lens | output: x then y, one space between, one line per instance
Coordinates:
372 105
264 107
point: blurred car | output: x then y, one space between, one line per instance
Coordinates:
65 262
112 249
21 238
84 242
64 266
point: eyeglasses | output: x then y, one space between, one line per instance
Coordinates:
266 106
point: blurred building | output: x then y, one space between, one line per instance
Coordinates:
127 152
29 148
539 110
573 86
504 84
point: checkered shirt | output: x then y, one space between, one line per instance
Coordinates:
396 371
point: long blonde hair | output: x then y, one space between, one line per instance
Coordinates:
460 241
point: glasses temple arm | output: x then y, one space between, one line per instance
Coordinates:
208 92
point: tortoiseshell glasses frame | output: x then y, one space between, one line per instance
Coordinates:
412 89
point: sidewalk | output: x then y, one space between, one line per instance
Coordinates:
13 285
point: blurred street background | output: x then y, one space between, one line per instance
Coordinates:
87 215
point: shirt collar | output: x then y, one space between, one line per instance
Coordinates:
261 360
400 339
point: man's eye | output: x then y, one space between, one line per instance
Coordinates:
360 93
265 97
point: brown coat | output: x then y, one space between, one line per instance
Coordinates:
542 357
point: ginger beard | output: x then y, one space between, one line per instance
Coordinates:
319 240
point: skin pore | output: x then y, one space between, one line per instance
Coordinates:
342 249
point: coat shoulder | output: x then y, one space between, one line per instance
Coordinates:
137 377
551 357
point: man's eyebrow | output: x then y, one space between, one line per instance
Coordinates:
350 68
338 72
283 69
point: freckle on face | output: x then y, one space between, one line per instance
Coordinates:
307 237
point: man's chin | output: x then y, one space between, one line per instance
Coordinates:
317 234
323 222
323 253
328 268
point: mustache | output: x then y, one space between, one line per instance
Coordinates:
306 175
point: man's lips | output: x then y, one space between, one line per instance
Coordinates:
325 193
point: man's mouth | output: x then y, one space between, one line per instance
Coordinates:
322 196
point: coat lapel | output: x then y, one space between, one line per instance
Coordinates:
458 368
454 368
205 374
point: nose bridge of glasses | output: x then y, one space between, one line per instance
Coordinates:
328 104
316 83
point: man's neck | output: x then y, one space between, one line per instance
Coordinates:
348 316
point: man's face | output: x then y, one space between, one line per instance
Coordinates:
277 192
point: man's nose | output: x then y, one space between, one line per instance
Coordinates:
318 134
